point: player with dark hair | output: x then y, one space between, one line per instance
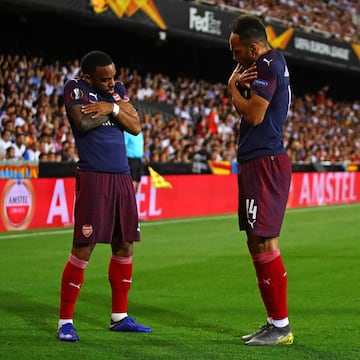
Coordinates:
260 90
99 112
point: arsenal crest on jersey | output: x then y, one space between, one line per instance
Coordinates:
87 230
116 96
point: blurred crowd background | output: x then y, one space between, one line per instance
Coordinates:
338 19
34 125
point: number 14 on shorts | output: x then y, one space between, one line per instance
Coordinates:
251 210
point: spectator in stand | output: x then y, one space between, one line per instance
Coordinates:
53 157
5 142
33 152
69 152
19 146
145 93
59 138
10 154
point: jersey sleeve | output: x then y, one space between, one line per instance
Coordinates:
267 81
120 92
75 92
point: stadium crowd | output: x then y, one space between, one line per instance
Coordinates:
332 18
34 125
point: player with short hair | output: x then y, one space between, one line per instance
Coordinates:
99 111
260 91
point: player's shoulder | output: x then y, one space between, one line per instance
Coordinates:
75 90
271 62
120 92
119 86
74 83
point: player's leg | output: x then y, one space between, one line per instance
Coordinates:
126 232
71 283
272 283
89 200
120 278
262 220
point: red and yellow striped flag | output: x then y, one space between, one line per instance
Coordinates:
221 167
157 180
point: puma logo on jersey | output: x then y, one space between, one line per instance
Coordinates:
94 95
267 61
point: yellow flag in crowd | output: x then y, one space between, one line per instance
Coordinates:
157 180
221 167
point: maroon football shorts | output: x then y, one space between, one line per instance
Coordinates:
264 185
105 209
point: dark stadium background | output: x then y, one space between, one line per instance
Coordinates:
56 35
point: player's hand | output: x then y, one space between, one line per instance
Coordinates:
246 76
235 74
127 107
97 108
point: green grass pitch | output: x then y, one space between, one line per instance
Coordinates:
194 283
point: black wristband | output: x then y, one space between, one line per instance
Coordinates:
244 91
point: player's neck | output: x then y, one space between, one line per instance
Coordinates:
263 51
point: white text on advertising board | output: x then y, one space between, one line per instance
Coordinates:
320 48
323 188
206 24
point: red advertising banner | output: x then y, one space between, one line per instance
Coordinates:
324 188
42 203
190 195
36 203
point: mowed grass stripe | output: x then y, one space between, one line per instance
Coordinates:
194 284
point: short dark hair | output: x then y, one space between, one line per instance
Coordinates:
93 59
249 28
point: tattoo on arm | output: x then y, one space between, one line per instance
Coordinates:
87 123
84 122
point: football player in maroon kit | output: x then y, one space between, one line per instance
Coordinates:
260 91
99 111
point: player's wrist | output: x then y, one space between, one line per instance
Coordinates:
243 90
116 110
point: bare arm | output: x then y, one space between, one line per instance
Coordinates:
95 113
253 109
84 121
128 118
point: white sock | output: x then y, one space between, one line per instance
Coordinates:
64 321
281 323
118 316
